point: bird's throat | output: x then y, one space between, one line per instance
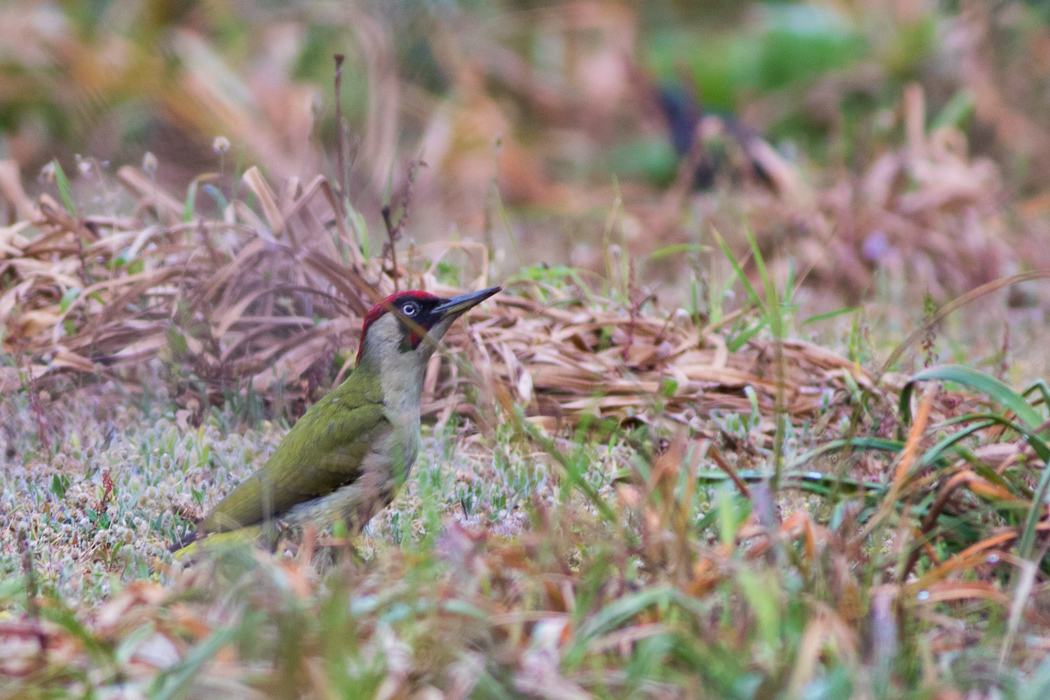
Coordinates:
401 380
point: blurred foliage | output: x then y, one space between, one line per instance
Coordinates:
534 118
107 78
784 44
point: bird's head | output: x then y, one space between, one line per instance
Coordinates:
397 328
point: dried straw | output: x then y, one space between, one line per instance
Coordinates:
264 299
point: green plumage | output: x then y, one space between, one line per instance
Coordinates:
346 458
322 452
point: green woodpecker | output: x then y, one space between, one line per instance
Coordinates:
347 456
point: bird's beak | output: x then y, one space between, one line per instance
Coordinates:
457 305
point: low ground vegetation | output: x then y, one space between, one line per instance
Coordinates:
785 437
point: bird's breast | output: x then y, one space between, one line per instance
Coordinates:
384 469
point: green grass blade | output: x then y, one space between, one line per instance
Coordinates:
751 293
1038 505
178 681
571 468
191 201
740 339
772 302
64 188
1035 513
668 251
936 453
985 383
830 314
622 610
813 482
860 443
1041 388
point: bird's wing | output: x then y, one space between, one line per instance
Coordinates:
322 452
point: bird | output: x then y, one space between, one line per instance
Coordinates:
350 452
685 117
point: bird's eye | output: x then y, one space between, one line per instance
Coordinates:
410 308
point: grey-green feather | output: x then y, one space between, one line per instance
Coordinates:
322 452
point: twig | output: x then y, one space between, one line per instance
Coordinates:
38 412
340 144
391 232
107 490
908 457
394 231
1022 593
31 605
927 525
720 461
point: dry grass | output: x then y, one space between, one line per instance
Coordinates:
267 302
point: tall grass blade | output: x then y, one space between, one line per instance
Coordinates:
985 383
65 191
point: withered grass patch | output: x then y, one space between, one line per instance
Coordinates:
263 300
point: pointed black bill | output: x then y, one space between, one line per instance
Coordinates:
458 305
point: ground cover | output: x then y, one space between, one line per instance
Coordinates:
783 437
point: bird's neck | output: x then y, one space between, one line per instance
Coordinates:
401 382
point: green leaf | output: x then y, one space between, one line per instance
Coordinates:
859 443
59 484
68 297
937 452
772 305
131 643
177 342
339 529
956 111
1029 421
762 595
191 201
814 482
100 651
64 190
621 610
740 339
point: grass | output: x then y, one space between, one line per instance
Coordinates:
609 561
487 575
